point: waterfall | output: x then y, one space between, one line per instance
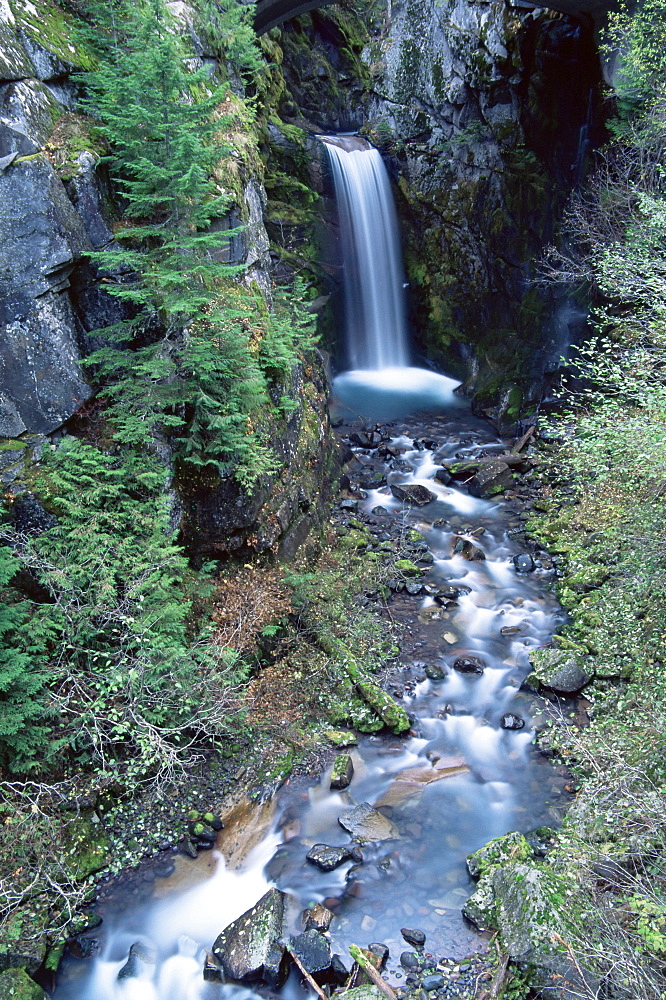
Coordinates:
376 333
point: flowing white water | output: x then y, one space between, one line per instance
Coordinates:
373 275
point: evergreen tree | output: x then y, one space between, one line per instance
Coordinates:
204 376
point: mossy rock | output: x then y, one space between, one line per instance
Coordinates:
557 669
407 568
16 984
340 738
510 847
353 540
88 848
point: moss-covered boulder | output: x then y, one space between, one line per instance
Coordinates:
502 850
16 984
558 670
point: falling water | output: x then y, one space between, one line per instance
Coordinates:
381 384
373 275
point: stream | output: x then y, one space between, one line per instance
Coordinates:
469 769
457 780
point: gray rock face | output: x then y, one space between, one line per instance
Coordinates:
40 377
249 944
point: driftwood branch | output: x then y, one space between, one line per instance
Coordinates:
370 971
524 439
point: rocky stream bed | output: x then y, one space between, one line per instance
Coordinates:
373 852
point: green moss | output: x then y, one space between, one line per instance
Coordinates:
16 984
52 28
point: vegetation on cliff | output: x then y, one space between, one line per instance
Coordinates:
601 513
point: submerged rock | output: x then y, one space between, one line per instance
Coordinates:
367 824
412 493
250 944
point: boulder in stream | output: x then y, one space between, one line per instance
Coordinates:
511 721
343 771
313 951
140 963
524 563
492 478
469 665
468 550
318 918
413 935
327 857
412 493
249 947
367 824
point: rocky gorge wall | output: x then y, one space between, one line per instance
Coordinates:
56 205
484 113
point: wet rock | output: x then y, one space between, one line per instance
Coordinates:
339 972
412 493
511 721
348 504
381 951
558 670
491 479
188 848
140 963
407 568
446 594
16 984
276 966
212 973
434 672
364 993
524 563
318 918
426 557
396 585
510 630
469 551
343 771
373 481
367 824
413 935
313 950
379 510
409 960
326 857
430 983
249 943
440 522
469 665
414 588
443 476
